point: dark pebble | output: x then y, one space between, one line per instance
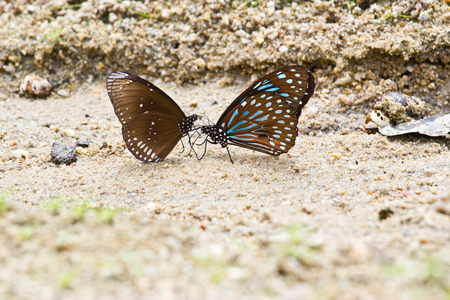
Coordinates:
83 144
385 213
63 154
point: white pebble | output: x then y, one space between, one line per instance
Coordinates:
20 153
283 49
63 93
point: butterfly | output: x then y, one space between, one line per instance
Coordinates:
264 117
152 123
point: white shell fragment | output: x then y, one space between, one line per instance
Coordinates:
34 86
433 126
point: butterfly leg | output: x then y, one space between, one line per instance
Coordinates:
182 144
192 147
229 155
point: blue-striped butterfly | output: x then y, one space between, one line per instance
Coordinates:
264 117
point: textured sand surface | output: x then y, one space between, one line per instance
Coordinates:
343 215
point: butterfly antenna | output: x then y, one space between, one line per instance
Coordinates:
229 155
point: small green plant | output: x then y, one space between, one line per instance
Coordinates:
104 214
65 278
69 6
4 200
138 12
56 204
437 271
390 14
215 264
54 34
80 210
26 231
350 4
254 3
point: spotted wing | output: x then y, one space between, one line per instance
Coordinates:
132 95
150 118
294 84
151 136
263 122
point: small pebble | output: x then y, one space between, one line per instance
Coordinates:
63 93
84 144
345 80
283 49
336 155
34 86
424 16
63 154
20 153
68 132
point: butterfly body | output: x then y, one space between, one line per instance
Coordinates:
152 123
264 117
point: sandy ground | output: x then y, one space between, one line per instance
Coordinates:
344 215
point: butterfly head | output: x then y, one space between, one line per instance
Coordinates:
187 124
216 135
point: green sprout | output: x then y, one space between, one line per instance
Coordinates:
55 34
137 12
69 6
4 201
104 214
215 265
390 14
350 4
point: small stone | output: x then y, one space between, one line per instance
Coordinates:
84 144
68 132
9 68
259 40
200 63
283 49
34 86
345 100
430 171
424 16
20 153
345 80
359 252
193 104
153 207
63 154
63 93
336 155
385 213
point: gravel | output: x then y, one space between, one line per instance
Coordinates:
343 215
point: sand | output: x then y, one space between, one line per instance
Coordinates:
343 215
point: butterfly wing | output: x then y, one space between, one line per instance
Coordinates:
294 84
150 118
151 136
263 122
132 95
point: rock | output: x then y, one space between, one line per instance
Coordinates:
84 144
34 86
20 153
63 93
283 49
63 154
